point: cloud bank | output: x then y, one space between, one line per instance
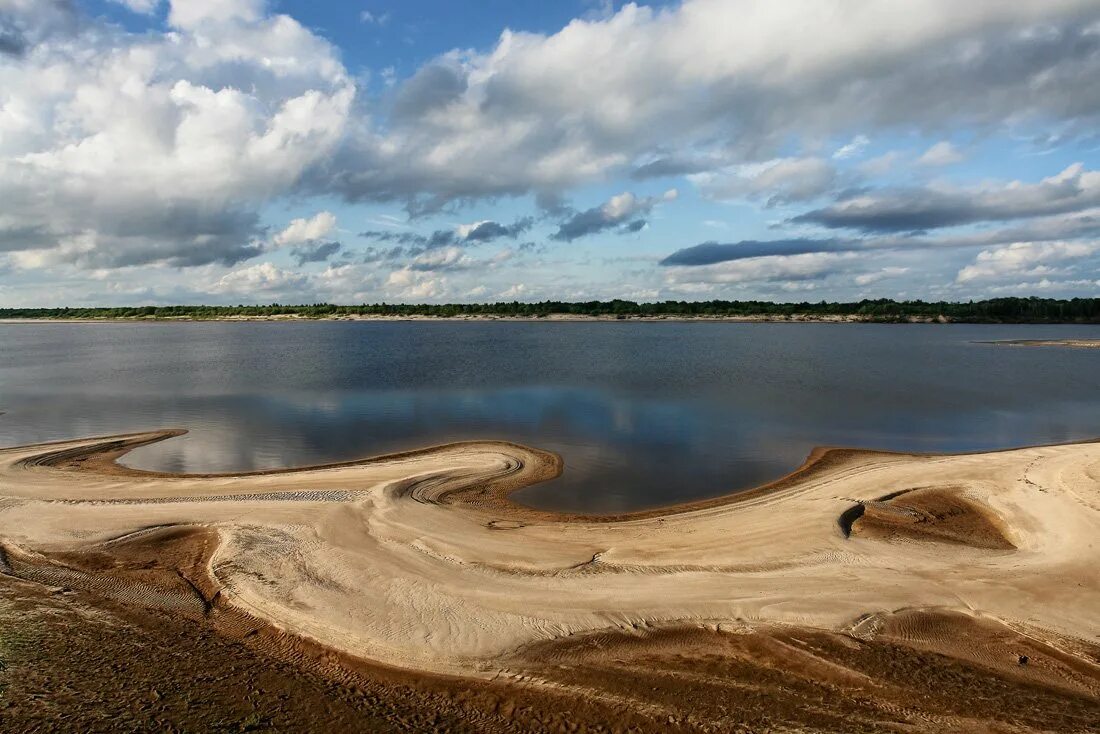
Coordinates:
165 148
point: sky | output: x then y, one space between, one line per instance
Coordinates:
294 151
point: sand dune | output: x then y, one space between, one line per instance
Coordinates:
419 561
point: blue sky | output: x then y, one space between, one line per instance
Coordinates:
242 151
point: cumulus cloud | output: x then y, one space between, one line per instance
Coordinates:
445 258
410 284
161 147
1025 259
262 278
646 90
300 231
127 149
26 23
894 210
625 212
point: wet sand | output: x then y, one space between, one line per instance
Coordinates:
867 591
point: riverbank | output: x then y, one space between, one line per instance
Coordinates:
997 310
862 575
796 318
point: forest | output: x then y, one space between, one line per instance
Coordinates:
997 310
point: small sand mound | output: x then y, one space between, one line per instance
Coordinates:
939 514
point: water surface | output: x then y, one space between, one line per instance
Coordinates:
643 413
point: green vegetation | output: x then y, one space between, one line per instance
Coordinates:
998 310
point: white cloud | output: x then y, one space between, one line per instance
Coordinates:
546 112
764 269
880 165
300 231
442 258
882 274
369 18
852 149
161 147
190 14
1025 259
123 149
942 153
145 7
262 278
407 284
778 181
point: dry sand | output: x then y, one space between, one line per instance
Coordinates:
868 590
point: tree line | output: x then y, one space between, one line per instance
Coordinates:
996 310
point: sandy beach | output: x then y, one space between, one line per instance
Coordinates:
419 564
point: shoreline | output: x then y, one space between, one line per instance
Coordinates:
420 564
553 318
556 318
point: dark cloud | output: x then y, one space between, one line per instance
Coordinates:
12 42
416 244
181 235
433 87
901 210
671 166
489 231
551 203
25 238
379 254
531 247
920 209
402 238
625 212
710 253
315 252
22 28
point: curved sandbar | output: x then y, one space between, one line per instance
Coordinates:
419 560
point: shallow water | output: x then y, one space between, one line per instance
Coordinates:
643 413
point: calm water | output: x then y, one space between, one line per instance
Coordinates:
643 413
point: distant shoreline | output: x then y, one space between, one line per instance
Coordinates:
552 318
880 311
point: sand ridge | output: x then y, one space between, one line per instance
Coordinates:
419 561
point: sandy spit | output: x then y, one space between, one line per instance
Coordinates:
1075 343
